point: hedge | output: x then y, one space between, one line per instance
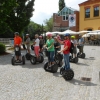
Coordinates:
2 48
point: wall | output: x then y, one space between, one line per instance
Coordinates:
92 22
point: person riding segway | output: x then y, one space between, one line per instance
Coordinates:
27 42
51 65
80 47
58 57
17 57
66 71
73 57
38 57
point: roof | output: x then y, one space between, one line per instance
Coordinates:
88 2
68 8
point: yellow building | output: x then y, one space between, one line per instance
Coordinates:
89 17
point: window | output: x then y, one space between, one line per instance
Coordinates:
96 11
65 17
87 13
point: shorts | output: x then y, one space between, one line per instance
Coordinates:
74 50
41 46
18 53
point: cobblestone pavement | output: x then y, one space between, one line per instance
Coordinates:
31 82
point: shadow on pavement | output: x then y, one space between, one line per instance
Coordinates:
82 83
82 64
90 59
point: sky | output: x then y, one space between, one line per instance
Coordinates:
44 9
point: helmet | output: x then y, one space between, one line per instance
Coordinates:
40 37
27 34
16 33
73 37
67 34
49 34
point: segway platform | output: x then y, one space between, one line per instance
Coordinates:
53 68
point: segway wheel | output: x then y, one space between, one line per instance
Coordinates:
76 60
41 59
62 70
68 74
78 54
83 55
54 68
33 60
45 66
13 61
28 56
23 60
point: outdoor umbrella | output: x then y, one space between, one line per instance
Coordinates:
70 32
86 35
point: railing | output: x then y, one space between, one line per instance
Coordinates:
7 40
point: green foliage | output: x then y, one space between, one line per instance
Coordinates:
15 15
49 24
2 48
32 29
61 4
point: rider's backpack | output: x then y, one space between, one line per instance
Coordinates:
71 47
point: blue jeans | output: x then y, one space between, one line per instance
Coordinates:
66 60
51 56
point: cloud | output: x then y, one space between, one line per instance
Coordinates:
44 9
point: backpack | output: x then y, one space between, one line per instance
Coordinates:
71 48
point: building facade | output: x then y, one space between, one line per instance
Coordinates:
61 20
89 16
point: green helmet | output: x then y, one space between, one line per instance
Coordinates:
73 37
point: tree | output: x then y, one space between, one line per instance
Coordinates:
20 16
6 7
14 15
49 24
61 4
32 29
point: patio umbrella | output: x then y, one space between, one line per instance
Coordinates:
86 35
70 32
55 33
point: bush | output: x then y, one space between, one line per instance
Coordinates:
2 48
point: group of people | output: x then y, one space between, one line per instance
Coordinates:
53 45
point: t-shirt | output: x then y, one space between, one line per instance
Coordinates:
17 40
80 42
49 43
67 43
37 41
41 41
56 44
74 41
28 41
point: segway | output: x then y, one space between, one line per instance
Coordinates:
81 55
28 55
34 59
17 53
59 57
73 60
67 74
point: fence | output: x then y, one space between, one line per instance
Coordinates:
7 40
